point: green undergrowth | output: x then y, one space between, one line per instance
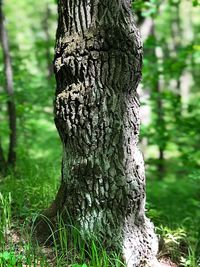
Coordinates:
174 207
68 247
173 204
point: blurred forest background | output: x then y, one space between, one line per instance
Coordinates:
170 115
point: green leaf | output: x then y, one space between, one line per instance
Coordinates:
79 265
196 2
6 255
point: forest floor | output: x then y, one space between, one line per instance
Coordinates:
171 207
173 204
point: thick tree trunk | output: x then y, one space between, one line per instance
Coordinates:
9 90
98 62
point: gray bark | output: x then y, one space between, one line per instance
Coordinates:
98 58
9 90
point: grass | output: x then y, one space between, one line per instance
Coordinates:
173 205
69 247
25 194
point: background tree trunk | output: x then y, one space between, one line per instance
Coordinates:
158 109
2 161
10 92
46 27
98 62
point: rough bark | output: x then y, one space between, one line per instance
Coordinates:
98 58
9 90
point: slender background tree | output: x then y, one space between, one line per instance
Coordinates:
6 162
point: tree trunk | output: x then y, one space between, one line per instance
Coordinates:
158 109
98 60
9 90
176 41
45 25
3 165
160 122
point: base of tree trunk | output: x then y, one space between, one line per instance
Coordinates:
136 241
45 223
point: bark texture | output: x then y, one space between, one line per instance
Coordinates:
98 60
